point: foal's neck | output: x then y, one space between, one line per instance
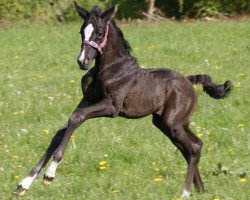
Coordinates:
114 52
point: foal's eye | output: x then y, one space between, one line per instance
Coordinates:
99 34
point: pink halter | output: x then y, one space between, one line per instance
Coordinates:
103 42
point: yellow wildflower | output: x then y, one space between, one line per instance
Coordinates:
199 135
241 125
15 157
243 180
16 177
103 162
73 137
46 130
217 67
158 179
115 191
157 169
72 81
102 167
237 85
242 74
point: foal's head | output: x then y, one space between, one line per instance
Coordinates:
94 32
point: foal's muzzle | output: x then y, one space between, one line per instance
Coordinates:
83 65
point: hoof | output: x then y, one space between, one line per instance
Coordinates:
20 190
47 180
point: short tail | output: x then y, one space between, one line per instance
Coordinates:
216 91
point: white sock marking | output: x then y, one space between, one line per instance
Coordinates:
51 171
26 182
185 194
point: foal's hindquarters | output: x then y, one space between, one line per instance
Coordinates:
174 123
173 99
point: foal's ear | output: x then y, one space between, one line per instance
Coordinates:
107 14
81 11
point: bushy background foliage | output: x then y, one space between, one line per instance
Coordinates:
63 10
42 10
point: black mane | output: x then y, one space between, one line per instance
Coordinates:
120 34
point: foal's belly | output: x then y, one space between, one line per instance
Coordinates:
138 105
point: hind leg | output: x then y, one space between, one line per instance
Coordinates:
197 177
190 147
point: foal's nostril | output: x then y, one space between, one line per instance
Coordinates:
86 61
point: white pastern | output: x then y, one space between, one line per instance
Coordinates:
26 182
88 32
185 194
51 171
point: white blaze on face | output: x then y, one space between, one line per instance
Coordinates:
87 35
88 32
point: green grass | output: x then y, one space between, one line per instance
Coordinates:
40 87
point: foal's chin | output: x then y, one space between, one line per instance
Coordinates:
83 67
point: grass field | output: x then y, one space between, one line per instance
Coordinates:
40 87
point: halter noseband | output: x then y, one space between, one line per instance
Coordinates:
103 42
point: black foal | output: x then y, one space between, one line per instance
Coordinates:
117 86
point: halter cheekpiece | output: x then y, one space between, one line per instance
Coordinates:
103 41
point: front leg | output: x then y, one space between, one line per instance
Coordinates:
60 140
103 108
55 142
88 82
